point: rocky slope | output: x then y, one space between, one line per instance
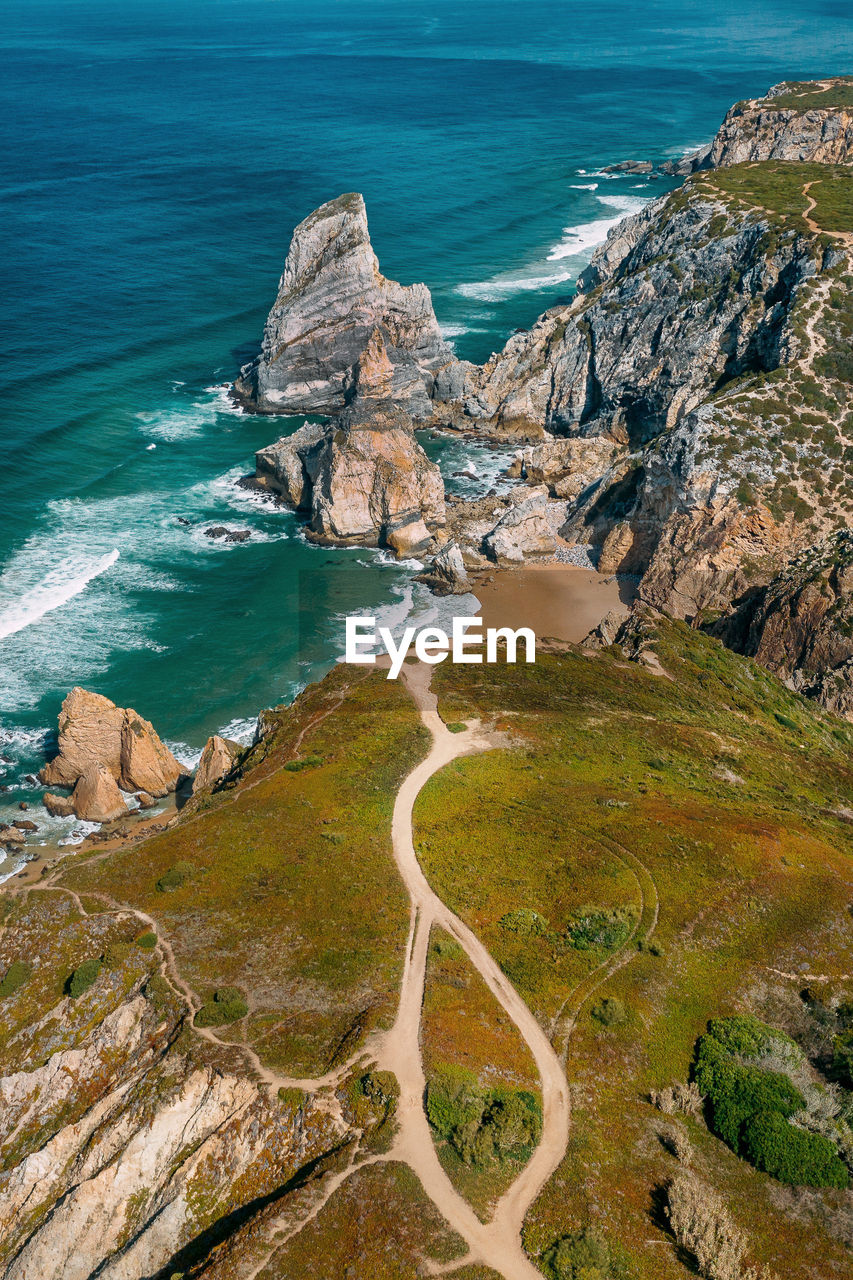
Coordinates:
809 121
331 298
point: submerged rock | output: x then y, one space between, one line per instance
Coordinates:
95 735
331 298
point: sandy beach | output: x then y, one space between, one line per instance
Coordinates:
556 600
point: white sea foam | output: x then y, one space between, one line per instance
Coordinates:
185 754
584 186
587 235
58 586
241 730
576 244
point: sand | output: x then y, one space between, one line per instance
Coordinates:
557 600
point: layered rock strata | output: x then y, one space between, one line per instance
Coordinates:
331 298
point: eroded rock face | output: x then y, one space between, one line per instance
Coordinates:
528 529
363 477
154 1157
446 575
217 760
103 747
777 127
331 298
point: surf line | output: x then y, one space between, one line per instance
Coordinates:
433 644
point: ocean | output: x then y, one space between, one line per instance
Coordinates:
155 158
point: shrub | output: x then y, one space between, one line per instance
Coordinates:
176 877
83 977
526 922
750 1105
14 978
116 954
606 930
610 1012
701 1224
791 1155
579 1256
147 941
456 726
307 762
226 1006
483 1126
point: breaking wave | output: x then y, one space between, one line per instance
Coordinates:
57 587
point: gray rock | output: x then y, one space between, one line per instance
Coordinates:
331 298
446 575
528 528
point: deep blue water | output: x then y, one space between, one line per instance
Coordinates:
154 157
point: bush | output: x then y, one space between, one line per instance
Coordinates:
147 941
456 726
116 954
750 1106
14 978
791 1155
83 977
483 1126
579 1256
226 1006
526 922
307 762
176 877
607 930
610 1012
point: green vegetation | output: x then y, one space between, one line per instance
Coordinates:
371 1105
307 762
176 877
14 978
314 928
227 1005
751 1104
456 726
83 977
584 1255
775 189
482 1125
808 95
609 1011
147 941
621 787
604 930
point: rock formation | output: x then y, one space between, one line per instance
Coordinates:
331 298
363 478
102 748
528 528
217 760
812 121
446 574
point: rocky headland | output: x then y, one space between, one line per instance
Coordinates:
686 417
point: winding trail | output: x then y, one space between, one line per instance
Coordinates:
497 1243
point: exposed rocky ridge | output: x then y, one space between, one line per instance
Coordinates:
217 761
788 123
124 1140
102 748
331 298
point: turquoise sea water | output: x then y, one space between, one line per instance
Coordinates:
155 157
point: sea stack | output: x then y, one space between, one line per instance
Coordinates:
331 298
103 750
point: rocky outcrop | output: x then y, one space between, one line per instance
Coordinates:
446 574
528 529
800 626
217 761
363 478
102 748
567 466
162 1146
812 121
331 299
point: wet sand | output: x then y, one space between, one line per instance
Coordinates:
556 600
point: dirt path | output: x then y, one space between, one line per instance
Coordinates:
496 1244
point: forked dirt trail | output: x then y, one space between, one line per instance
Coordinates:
496 1244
